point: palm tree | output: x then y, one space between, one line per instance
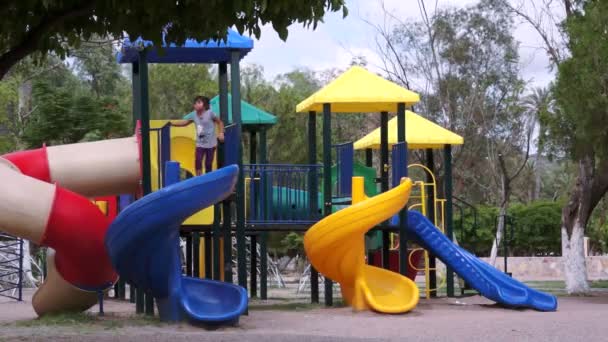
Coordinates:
537 103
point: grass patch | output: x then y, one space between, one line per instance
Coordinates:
61 319
292 306
599 284
89 320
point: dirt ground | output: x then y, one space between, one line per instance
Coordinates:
464 319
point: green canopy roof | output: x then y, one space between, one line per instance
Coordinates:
250 114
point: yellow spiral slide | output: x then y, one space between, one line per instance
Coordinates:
336 248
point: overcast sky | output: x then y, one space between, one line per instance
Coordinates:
335 42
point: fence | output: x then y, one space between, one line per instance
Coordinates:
11 267
282 194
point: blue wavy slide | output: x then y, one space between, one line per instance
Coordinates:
143 244
489 281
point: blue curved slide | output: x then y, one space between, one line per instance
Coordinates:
143 244
490 282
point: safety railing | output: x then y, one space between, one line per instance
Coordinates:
282 194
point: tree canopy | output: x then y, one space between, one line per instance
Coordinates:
44 26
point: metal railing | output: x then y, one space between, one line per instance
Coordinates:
11 266
282 194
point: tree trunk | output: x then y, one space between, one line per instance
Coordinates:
538 181
575 216
590 186
575 268
500 228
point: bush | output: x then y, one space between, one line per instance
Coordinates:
535 229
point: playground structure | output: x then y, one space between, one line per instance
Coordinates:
140 240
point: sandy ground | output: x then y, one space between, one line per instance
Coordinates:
464 319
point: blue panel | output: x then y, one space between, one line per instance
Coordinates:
143 244
124 201
399 162
165 150
345 154
192 51
489 281
231 145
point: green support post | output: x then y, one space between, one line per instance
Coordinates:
403 256
253 146
226 214
235 84
136 296
196 253
264 236
430 214
253 260
327 185
369 157
207 242
189 255
313 195
384 186
136 105
144 107
449 224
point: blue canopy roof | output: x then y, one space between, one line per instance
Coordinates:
191 51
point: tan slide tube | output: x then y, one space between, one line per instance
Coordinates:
100 168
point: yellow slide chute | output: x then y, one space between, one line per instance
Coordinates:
336 248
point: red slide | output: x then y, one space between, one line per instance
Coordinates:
75 228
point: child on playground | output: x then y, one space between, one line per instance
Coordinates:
205 122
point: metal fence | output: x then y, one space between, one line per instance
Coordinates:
11 266
282 194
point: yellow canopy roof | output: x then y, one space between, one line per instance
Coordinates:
359 91
419 133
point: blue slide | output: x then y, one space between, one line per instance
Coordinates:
143 244
490 282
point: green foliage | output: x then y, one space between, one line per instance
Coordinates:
8 106
56 25
288 139
597 229
96 65
580 126
534 229
293 244
65 116
174 86
476 235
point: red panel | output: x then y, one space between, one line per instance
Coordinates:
76 230
112 205
393 261
33 163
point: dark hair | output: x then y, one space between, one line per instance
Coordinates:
203 99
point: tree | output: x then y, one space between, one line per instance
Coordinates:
579 128
463 62
96 64
53 26
174 86
538 103
286 139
